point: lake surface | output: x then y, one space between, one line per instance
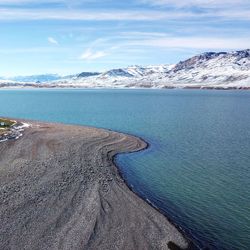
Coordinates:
197 168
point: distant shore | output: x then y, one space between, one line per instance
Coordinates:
51 86
59 189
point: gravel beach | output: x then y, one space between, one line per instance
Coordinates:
59 189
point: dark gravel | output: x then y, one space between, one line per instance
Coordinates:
59 189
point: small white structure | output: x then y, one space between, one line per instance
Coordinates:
2 124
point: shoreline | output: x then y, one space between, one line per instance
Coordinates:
192 244
110 187
188 87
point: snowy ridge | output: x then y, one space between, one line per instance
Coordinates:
208 70
232 69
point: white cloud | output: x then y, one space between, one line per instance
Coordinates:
62 14
223 4
201 43
140 40
198 3
20 14
19 2
90 55
52 40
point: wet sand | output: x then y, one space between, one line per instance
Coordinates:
59 189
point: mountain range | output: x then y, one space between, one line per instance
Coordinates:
224 70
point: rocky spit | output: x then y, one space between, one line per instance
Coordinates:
59 189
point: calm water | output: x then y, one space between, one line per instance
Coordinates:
197 169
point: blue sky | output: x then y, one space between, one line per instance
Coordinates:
71 36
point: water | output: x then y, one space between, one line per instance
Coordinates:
197 168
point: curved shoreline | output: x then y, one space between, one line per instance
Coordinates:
105 213
192 245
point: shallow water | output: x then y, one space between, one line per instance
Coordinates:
197 168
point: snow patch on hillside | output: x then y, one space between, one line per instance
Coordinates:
208 70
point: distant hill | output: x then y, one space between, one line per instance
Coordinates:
207 70
87 74
35 78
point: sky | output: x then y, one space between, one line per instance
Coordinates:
72 36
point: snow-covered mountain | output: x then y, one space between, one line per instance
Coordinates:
46 78
135 71
34 78
132 77
215 69
208 70
87 74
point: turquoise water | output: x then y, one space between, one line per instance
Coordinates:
197 168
